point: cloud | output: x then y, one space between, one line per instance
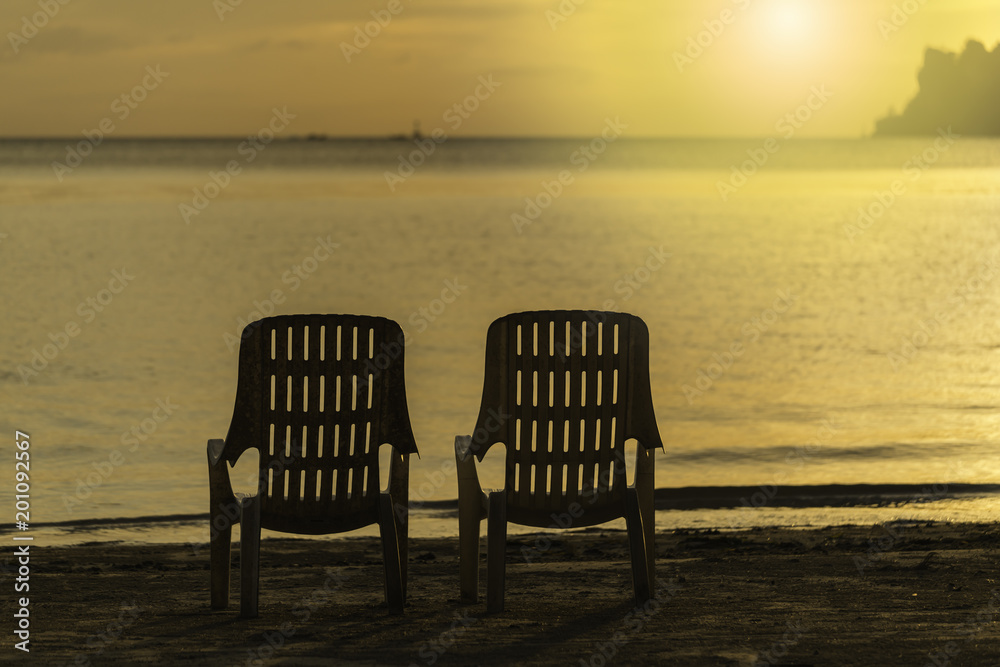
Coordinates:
957 90
67 41
476 9
268 44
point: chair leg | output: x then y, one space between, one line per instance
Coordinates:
637 547
220 544
496 549
470 516
390 555
403 540
249 556
468 558
399 477
223 511
645 484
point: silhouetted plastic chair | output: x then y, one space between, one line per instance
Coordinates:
563 391
317 396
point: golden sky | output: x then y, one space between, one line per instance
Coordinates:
563 66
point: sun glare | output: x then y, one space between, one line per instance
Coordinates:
785 47
788 22
792 34
789 18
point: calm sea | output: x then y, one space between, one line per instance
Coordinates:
829 317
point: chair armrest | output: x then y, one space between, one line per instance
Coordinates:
215 449
220 486
399 476
472 509
645 469
463 447
470 491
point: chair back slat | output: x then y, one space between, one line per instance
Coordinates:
321 414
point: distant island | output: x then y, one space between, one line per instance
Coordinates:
960 90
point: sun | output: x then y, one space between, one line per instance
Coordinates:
788 17
792 34
782 48
788 22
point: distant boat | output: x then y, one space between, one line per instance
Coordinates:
415 136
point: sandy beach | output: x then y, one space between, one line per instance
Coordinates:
899 594
762 237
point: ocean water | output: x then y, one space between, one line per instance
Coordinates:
834 319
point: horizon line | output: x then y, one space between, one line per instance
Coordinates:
318 137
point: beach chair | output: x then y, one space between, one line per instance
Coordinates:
563 391
317 395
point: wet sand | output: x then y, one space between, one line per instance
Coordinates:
902 594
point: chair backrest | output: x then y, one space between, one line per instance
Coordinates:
564 390
317 395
